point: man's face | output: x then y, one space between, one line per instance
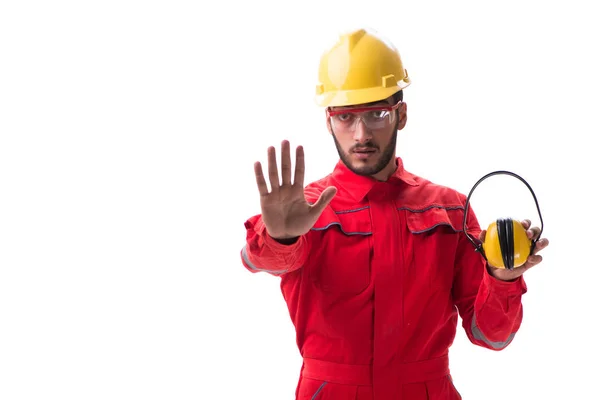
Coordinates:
365 135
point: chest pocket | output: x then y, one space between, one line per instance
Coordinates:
341 262
434 233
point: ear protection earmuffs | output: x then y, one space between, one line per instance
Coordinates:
506 244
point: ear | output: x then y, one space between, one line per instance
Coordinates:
402 115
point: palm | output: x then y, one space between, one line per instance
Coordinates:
285 211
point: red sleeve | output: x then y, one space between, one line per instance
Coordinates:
490 309
262 253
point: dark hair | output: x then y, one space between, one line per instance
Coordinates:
398 96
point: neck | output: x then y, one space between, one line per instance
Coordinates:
388 171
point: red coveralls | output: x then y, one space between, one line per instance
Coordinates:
373 289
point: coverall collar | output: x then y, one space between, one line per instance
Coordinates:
359 186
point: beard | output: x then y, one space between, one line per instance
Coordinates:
384 159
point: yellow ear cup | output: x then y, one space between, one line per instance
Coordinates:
516 242
491 246
522 247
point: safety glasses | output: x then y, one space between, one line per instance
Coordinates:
374 117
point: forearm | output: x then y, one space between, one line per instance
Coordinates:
497 312
490 308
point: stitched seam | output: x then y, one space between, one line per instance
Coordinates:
318 391
435 226
342 229
417 210
351 211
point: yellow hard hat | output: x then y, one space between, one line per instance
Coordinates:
361 67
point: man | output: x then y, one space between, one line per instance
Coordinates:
374 266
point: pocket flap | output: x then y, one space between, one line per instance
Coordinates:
350 222
427 219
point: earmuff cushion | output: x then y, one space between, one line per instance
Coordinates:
506 239
510 242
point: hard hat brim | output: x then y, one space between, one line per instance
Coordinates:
356 97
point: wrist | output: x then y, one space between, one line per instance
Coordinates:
503 275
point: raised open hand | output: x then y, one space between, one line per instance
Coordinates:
285 211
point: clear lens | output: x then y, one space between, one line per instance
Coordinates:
373 120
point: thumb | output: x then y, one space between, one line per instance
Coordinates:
326 196
482 235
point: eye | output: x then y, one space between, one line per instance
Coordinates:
344 117
378 114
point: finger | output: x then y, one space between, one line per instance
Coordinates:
533 233
526 223
534 260
260 180
273 174
540 245
525 267
299 172
326 196
286 163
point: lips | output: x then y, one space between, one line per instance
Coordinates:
363 154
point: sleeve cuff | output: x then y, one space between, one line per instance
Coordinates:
273 244
516 287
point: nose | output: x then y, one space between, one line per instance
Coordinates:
361 132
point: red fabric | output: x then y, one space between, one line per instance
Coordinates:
362 374
380 281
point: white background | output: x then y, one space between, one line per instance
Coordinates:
128 131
